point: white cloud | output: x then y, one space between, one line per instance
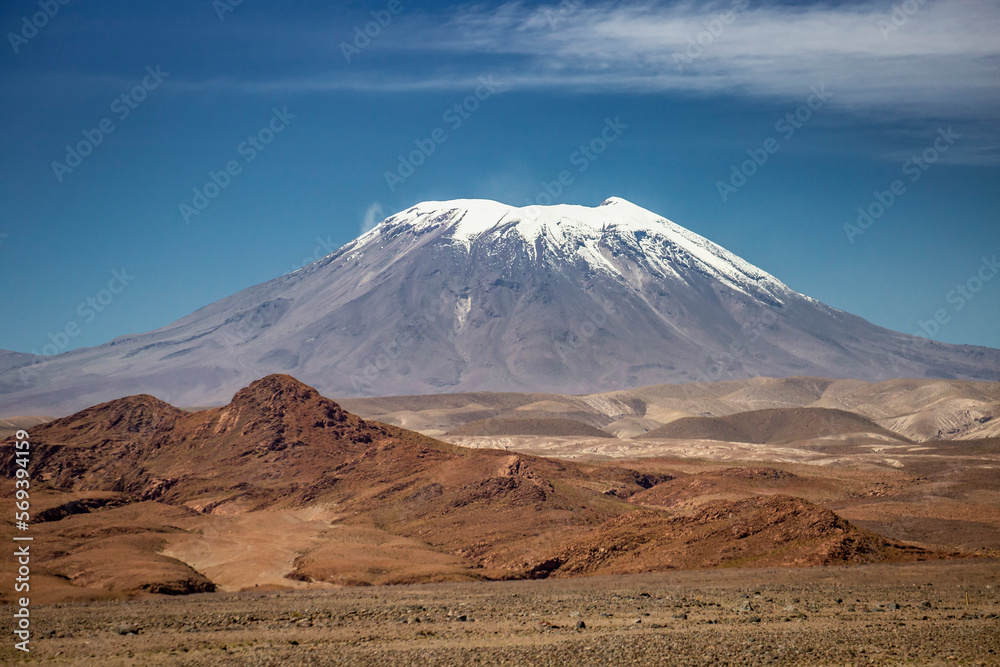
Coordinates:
937 65
373 216
942 58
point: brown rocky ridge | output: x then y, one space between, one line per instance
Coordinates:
282 487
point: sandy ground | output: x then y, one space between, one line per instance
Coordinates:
241 550
831 451
926 613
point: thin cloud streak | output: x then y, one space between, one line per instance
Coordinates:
943 61
944 56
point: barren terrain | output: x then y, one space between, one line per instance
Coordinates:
916 410
863 615
283 503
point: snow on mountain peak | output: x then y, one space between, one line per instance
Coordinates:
470 218
593 234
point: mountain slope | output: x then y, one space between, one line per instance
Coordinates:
473 295
772 426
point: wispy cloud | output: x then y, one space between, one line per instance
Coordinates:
373 216
944 57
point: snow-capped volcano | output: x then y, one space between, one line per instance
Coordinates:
594 235
477 295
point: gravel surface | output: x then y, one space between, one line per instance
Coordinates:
881 614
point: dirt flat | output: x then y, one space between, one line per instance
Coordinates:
867 615
240 551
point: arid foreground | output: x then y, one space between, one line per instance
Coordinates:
870 614
258 532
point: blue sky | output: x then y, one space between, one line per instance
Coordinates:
834 100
